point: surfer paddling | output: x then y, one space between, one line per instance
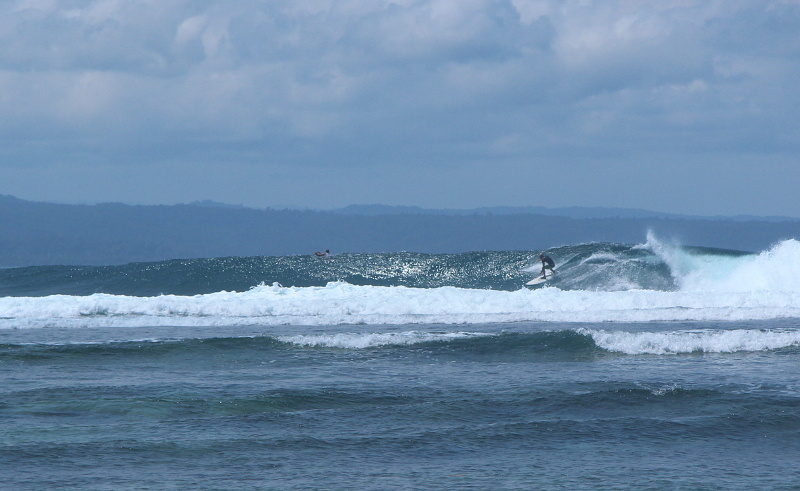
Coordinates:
547 263
323 254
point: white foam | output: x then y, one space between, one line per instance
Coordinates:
342 303
776 269
707 341
372 340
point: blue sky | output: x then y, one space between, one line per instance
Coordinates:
671 105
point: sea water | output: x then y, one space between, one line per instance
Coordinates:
650 365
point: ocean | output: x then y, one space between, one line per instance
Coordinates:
651 366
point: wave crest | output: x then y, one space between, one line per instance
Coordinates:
569 343
706 341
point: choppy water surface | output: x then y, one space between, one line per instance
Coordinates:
641 366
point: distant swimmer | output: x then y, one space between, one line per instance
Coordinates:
547 263
323 254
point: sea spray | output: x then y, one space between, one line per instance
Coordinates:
697 270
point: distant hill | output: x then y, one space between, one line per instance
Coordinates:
571 212
579 212
35 233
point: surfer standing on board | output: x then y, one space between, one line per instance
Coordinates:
547 263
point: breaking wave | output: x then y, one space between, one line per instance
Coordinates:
654 281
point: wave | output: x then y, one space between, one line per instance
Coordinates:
570 406
343 304
579 340
654 265
653 281
700 341
567 342
492 270
374 340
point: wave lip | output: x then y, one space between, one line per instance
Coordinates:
700 341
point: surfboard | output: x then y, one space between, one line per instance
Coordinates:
539 280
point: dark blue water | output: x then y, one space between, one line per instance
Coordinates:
507 406
339 379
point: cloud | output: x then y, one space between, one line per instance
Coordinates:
333 82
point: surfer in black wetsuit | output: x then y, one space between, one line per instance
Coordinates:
547 263
323 254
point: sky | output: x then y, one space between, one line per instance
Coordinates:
677 106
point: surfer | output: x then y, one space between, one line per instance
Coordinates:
323 254
547 263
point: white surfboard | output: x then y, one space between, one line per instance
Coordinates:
540 280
